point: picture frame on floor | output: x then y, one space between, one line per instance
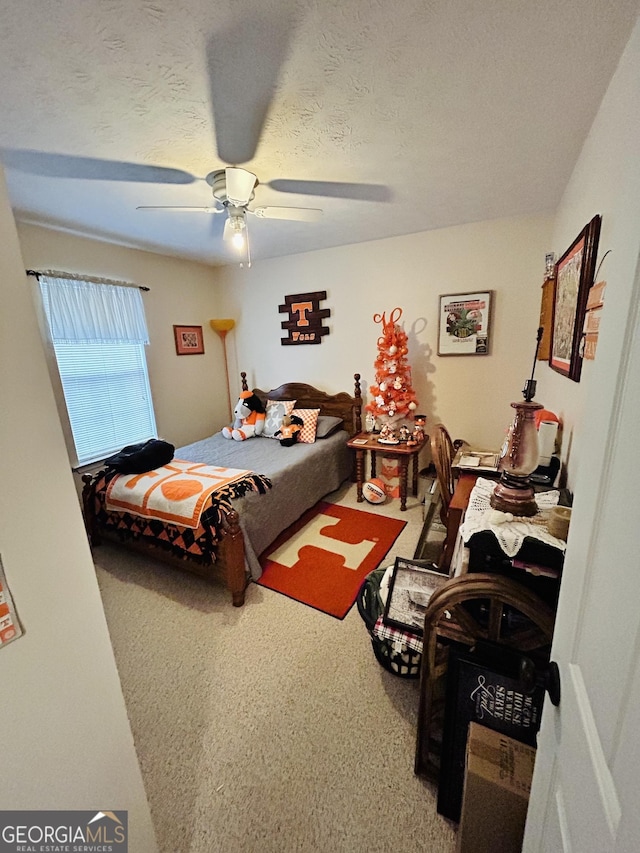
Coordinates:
482 686
410 589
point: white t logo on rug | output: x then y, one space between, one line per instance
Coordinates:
311 534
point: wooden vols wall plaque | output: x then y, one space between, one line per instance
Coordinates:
305 318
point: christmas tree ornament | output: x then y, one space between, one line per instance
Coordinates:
388 435
420 422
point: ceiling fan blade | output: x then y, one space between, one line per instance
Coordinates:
48 165
333 189
179 207
244 62
300 214
240 184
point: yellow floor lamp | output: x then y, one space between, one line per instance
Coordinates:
223 327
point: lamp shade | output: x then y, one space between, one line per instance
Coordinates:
518 459
224 325
520 452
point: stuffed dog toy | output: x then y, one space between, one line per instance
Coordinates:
249 418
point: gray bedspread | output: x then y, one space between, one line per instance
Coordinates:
301 475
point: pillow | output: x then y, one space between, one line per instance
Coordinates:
275 410
307 434
327 425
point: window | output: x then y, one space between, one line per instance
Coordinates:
99 333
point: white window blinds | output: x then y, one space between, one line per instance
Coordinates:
98 333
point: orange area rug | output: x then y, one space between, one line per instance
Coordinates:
322 559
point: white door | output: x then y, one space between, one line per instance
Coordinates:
586 787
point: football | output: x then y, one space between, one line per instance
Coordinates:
374 491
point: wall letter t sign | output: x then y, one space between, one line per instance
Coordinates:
305 318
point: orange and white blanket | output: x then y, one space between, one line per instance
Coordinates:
176 493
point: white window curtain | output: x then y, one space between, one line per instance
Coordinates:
86 312
98 333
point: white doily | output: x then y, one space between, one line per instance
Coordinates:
481 516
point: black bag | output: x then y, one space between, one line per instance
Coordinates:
138 458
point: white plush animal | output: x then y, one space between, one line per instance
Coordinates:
248 418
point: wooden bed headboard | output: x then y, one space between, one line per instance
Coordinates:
341 405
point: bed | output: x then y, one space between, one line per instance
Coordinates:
234 532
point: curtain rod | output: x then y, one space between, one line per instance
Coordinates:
76 277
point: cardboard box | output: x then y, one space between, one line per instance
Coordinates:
389 473
496 792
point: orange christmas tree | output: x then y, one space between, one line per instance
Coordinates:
393 397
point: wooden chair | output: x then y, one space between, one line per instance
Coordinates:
442 453
443 449
450 617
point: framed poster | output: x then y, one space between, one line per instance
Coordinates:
574 276
188 340
464 323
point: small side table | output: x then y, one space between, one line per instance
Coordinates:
369 441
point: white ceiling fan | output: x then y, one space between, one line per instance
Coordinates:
244 60
233 190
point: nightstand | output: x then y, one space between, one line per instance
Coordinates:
364 441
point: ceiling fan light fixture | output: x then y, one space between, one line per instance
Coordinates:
239 185
238 227
237 233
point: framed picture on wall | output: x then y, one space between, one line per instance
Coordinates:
574 276
188 340
464 324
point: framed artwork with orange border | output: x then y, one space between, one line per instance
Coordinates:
189 340
574 276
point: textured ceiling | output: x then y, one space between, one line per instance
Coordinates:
436 112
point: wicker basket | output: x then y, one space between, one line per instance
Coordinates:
403 662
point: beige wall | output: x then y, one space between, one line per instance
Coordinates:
66 741
606 180
189 392
470 394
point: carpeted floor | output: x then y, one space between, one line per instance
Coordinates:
269 727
